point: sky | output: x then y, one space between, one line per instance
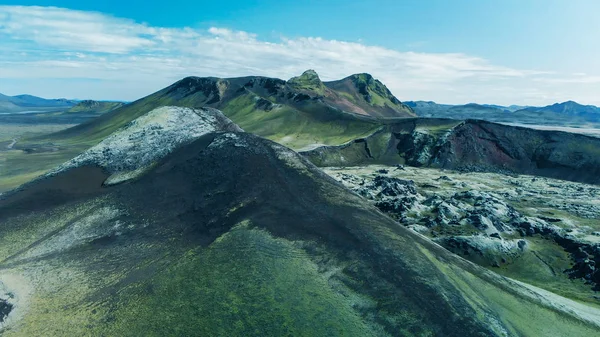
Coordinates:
525 52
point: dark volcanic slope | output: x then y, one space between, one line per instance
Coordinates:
234 235
473 146
298 112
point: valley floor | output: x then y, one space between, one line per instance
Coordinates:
10 131
18 166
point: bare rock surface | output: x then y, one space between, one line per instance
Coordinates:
149 138
490 218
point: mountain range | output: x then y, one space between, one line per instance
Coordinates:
359 94
305 113
39 111
559 114
21 103
301 112
201 209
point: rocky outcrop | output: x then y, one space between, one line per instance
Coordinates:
476 146
309 81
207 90
393 196
481 225
491 250
367 96
148 139
587 263
88 104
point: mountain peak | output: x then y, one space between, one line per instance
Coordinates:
362 76
309 80
310 73
365 80
88 103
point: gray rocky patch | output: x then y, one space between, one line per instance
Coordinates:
149 138
489 249
477 218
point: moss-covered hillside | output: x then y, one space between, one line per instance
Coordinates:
236 235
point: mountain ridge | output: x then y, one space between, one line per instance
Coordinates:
270 107
471 145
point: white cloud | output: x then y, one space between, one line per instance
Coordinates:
73 30
100 56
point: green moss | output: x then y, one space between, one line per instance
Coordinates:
436 127
513 308
543 265
292 127
348 96
247 283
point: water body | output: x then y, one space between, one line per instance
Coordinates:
594 132
30 112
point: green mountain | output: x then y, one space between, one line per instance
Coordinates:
560 114
571 111
93 107
466 111
300 112
229 234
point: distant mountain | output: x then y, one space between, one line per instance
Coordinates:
93 107
34 101
8 107
563 114
569 109
466 111
362 94
511 108
428 108
300 112
20 103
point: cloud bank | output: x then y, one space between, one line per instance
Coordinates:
56 52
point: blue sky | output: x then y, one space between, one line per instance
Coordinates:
504 52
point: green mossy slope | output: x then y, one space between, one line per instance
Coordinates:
236 235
